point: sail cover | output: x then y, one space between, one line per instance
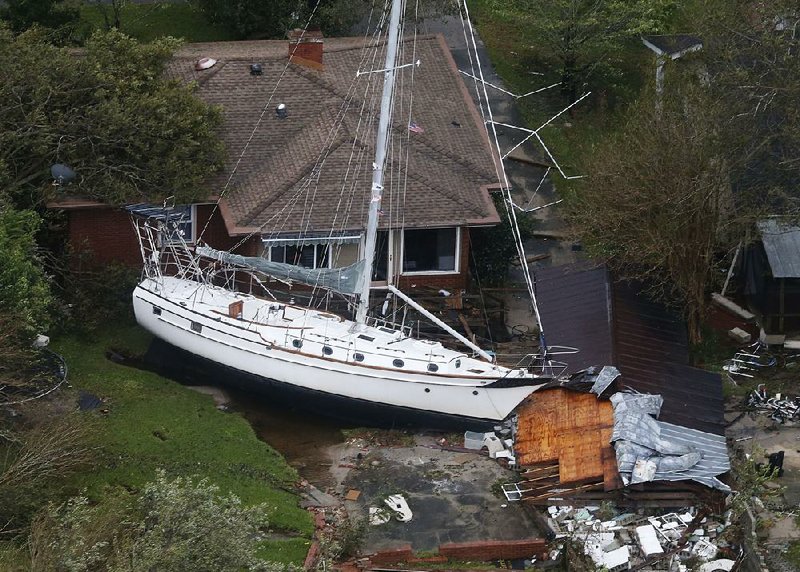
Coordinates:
344 280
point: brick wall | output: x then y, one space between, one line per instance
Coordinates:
106 233
484 551
494 549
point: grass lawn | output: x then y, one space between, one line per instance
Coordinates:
157 423
146 22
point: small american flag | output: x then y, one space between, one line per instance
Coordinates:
414 128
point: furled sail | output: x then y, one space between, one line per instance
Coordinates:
346 280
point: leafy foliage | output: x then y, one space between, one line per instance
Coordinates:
96 295
582 41
671 190
253 19
24 288
171 525
341 17
61 15
494 249
110 114
656 205
753 66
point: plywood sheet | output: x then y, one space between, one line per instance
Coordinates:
567 426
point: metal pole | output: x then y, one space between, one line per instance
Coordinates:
381 143
442 325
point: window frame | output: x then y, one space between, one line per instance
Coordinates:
328 257
167 240
456 266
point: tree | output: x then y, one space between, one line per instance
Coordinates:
342 17
657 203
670 193
171 525
752 58
584 40
252 19
130 133
61 15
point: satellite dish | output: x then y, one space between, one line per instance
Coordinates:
62 175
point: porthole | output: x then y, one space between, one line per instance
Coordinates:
358 357
156 311
197 327
458 363
398 363
432 367
427 390
297 343
475 392
327 350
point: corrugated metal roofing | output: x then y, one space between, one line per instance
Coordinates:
638 436
613 323
782 245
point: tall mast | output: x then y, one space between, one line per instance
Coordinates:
392 41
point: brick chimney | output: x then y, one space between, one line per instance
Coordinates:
306 49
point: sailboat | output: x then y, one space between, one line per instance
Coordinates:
356 363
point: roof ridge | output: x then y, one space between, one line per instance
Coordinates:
441 190
327 120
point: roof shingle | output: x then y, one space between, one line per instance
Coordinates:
312 171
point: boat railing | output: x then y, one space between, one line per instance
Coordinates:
406 330
543 365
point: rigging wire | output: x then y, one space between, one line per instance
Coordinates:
506 186
267 105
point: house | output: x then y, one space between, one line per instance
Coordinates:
770 277
298 175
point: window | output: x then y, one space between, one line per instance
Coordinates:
297 343
327 350
182 229
307 256
358 357
156 310
430 250
197 327
432 367
398 363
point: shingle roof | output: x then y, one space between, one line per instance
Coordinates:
614 323
291 176
782 244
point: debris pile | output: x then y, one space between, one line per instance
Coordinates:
781 409
499 443
670 541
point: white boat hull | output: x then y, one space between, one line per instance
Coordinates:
244 350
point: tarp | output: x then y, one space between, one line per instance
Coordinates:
345 280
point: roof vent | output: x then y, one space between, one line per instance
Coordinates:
281 112
204 64
255 69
